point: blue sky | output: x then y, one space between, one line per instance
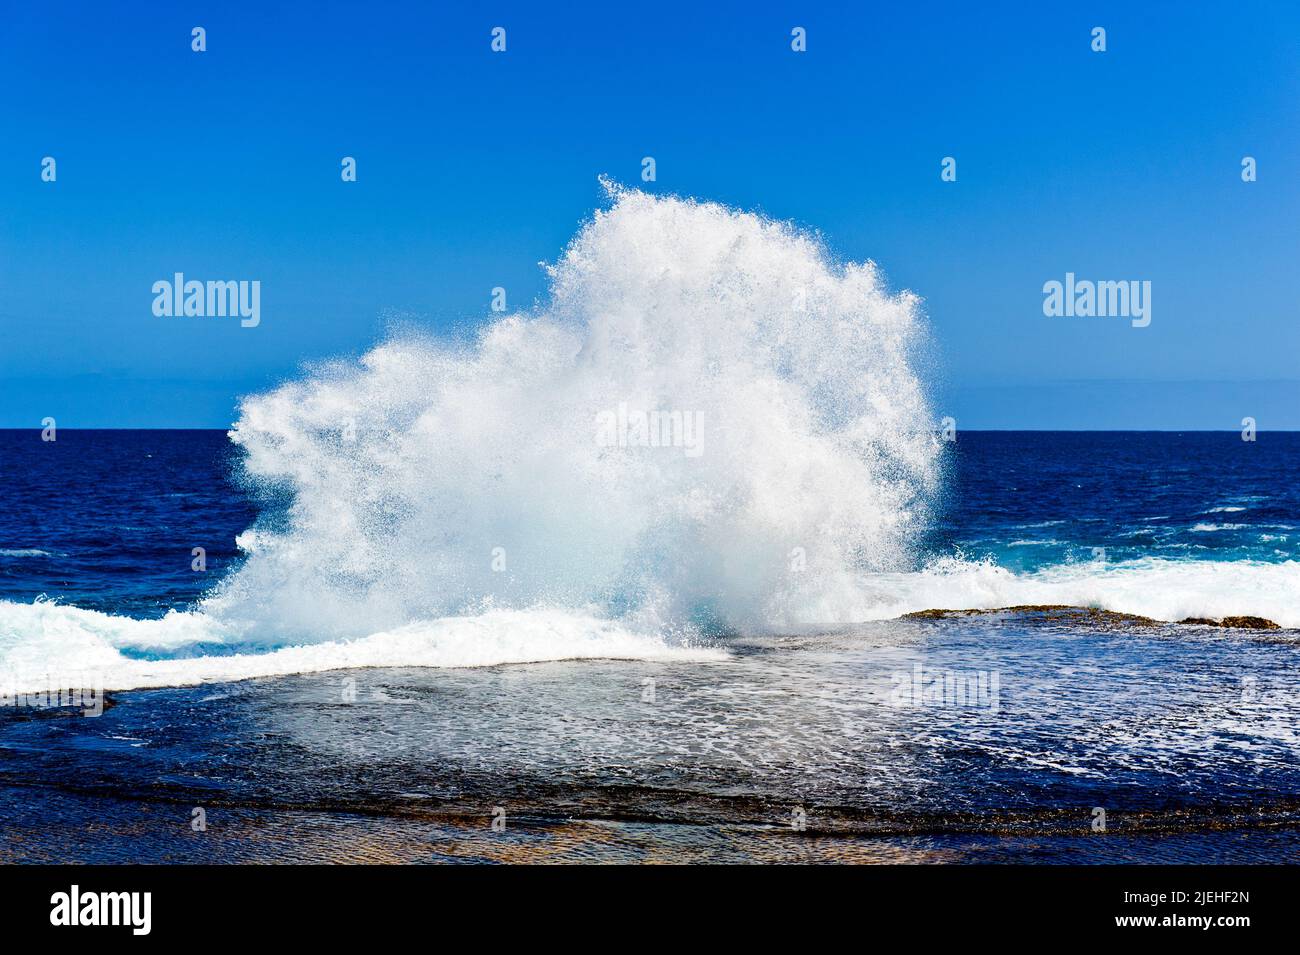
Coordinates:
474 166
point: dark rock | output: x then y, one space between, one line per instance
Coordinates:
1249 623
1238 623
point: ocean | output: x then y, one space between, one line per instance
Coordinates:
683 564
518 730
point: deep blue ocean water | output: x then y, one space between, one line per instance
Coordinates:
107 520
1037 498
1188 736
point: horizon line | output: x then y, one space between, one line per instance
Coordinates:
38 428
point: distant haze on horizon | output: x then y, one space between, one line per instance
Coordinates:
1060 406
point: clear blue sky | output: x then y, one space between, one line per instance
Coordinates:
473 167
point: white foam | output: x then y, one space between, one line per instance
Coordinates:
429 479
455 506
1169 590
44 641
441 492
45 644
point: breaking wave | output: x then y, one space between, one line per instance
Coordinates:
711 426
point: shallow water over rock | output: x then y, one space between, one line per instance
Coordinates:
816 745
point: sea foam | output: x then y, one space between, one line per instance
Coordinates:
430 479
464 504
458 504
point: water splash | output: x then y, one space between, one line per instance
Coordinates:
431 479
